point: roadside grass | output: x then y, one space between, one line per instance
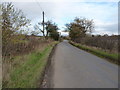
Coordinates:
27 73
111 57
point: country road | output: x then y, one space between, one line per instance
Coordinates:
75 68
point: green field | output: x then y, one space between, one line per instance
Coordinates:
112 57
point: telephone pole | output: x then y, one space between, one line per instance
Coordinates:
43 24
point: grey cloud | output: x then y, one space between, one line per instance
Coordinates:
112 28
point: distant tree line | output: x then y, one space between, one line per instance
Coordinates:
80 32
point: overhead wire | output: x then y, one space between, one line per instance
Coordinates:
46 16
39 5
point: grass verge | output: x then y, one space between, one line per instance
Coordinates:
112 57
28 73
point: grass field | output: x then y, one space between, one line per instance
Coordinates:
27 73
112 57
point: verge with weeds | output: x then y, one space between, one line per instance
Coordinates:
28 72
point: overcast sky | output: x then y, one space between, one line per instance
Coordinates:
103 12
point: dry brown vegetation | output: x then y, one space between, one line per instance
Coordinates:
17 53
105 42
25 44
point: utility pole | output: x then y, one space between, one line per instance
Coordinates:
43 24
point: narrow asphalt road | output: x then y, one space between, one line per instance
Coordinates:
75 68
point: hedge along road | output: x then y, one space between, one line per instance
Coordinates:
75 68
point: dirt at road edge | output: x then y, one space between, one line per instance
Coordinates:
48 73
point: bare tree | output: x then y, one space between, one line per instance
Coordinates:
37 27
50 29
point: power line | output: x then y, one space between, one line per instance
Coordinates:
42 9
39 5
46 16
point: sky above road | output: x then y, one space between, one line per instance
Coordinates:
103 12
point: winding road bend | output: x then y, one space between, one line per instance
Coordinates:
75 68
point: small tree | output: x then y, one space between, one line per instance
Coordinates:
51 29
13 21
54 34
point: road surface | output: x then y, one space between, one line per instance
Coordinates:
75 68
